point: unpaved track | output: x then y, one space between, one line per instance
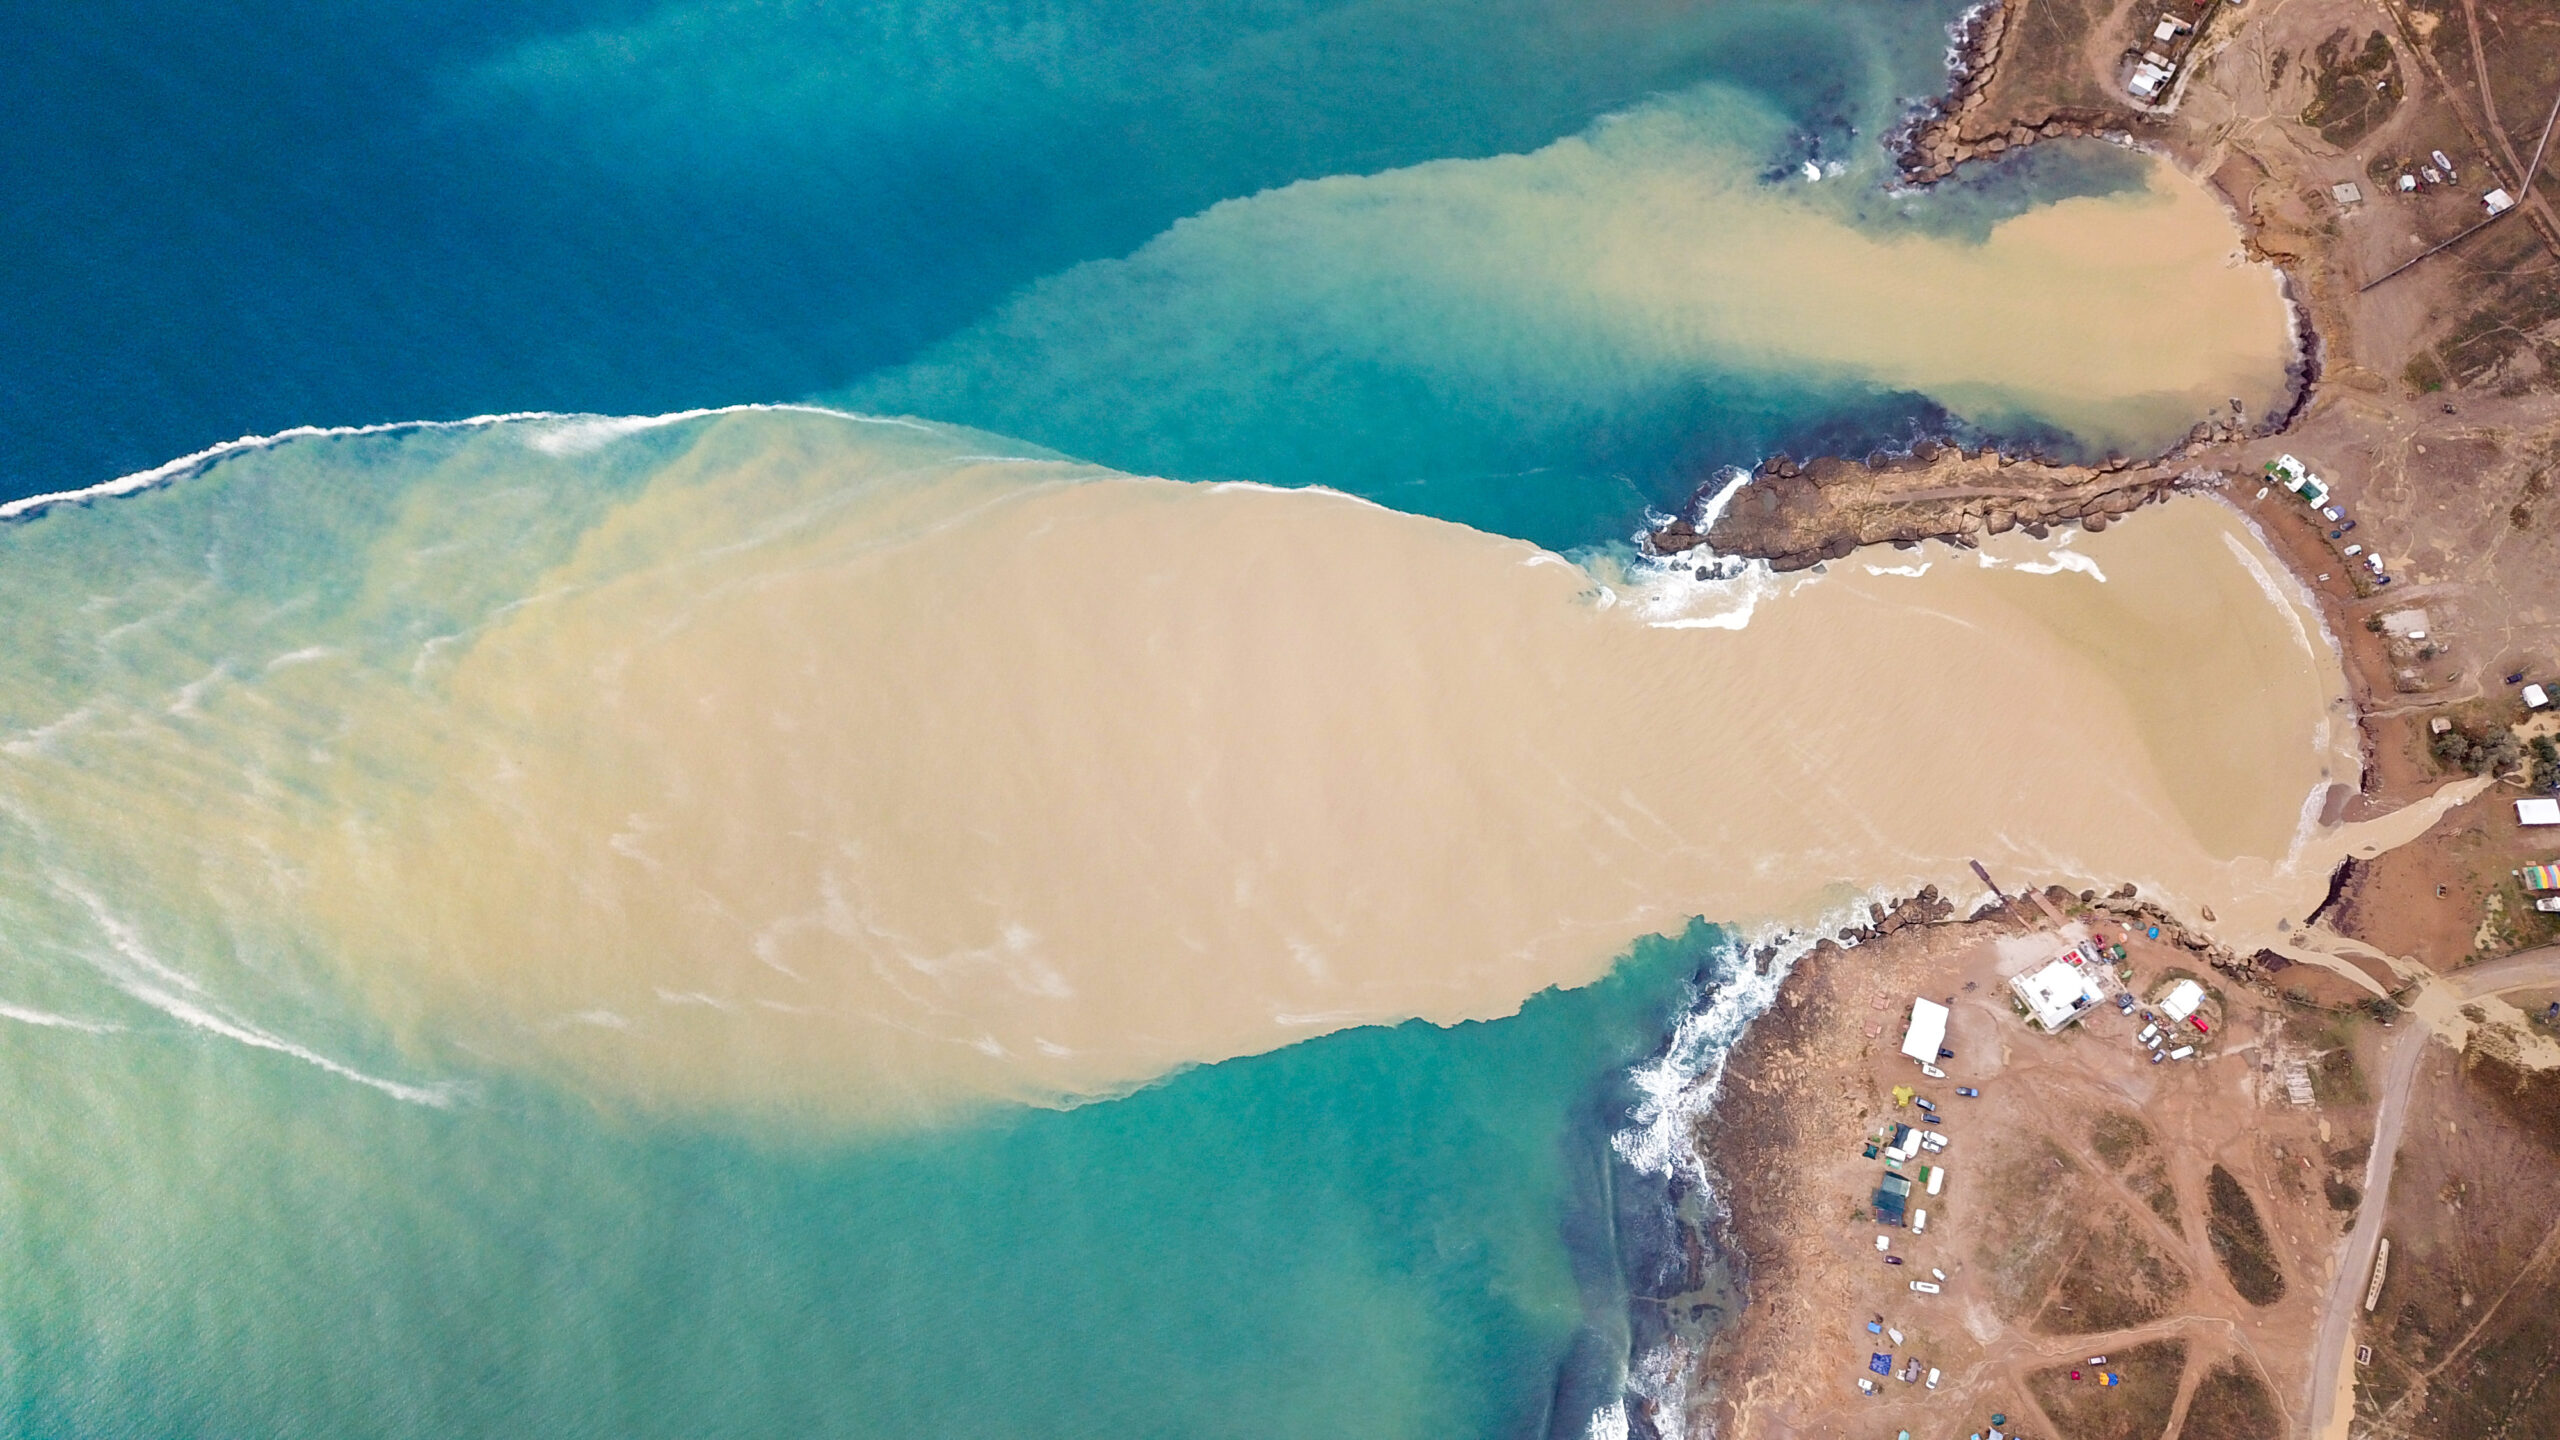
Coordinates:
2400 1074
2355 1263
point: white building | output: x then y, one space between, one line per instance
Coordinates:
1928 1031
2499 202
2182 1000
2538 812
2056 994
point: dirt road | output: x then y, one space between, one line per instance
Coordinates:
2355 1262
2355 1265
2515 972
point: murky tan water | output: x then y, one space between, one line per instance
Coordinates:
798 790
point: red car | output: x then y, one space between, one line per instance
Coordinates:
2198 1022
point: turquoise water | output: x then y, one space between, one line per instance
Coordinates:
230 220
246 1193
239 1198
1361 1235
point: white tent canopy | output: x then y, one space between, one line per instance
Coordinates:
1928 1031
2182 1001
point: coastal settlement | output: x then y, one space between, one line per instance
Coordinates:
2338 1213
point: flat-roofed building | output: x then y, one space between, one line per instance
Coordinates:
2056 994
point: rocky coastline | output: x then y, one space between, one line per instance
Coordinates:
1953 127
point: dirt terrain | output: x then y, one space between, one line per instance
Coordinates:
2176 1218
2465 1338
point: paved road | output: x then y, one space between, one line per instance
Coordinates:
2400 1075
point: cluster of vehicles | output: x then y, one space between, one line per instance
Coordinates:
2293 475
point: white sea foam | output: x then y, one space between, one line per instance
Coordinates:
51 1021
1680 1085
146 978
2060 561
570 435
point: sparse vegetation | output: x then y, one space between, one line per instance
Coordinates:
2113 1280
2118 1136
2129 1147
2232 1402
2342 1195
2335 1080
2240 1240
2354 90
2138 1409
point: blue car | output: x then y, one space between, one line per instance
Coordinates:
1968 1092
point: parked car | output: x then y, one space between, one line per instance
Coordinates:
1924 1287
1968 1092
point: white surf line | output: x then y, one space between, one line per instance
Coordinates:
155 983
50 1021
613 427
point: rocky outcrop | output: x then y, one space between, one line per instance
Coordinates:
1795 515
1961 123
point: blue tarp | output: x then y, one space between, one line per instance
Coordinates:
1881 1364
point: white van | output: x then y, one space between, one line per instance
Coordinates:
1919 1222
1933 1378
2149 1034
1924 1287
2182 1052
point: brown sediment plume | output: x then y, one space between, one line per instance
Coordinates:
801 785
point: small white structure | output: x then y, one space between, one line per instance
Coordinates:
2499 202
2535 697
2297 477
2148 80
2347 192
2183 998
2056 994
1928 1030
2407 183
2538 812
